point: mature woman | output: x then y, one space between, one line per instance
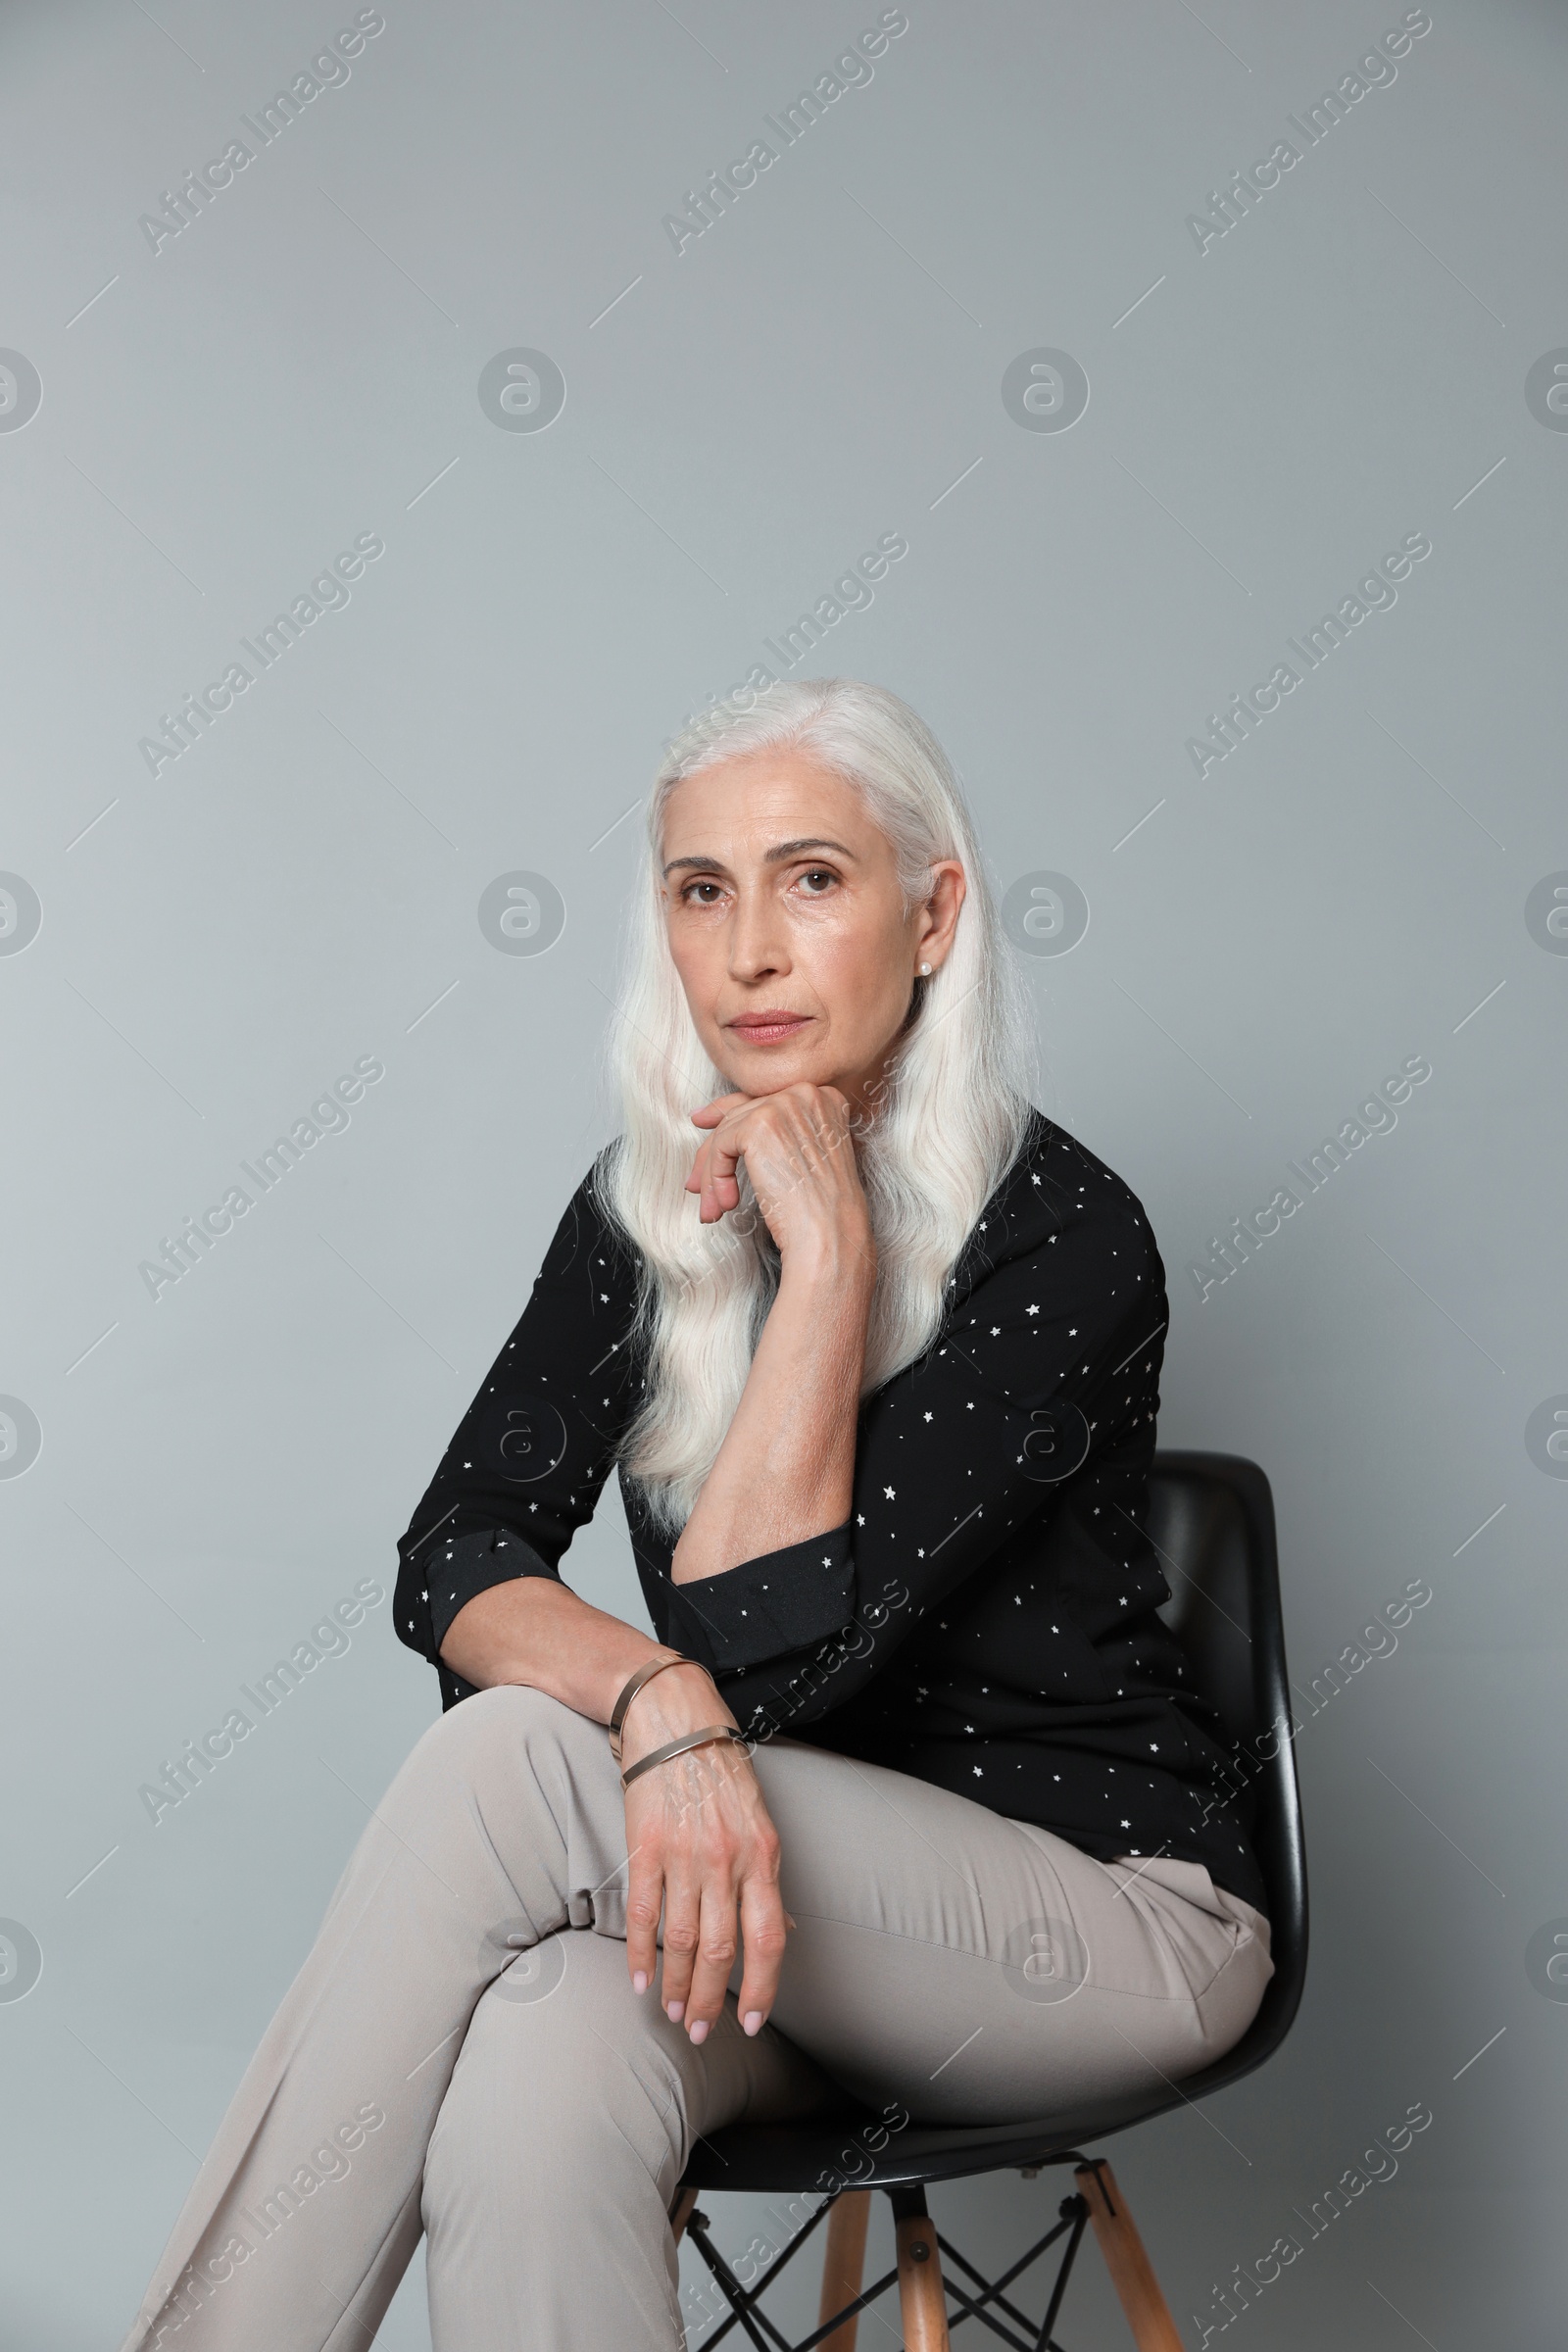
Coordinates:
908 1797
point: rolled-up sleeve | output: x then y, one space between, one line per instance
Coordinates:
469 1564
769 1606
529 1458
1052 1356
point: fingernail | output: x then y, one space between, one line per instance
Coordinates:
639 1982
753 2021
674 2011
700 2030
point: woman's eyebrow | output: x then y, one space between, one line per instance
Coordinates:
773 856
704 865
793 848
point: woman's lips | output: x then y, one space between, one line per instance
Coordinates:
767 1029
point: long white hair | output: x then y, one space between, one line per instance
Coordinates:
949 1124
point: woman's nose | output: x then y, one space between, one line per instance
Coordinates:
755 942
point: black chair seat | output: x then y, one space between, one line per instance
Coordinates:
789 2158
1212 1522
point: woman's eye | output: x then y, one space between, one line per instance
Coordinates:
817 873
691 886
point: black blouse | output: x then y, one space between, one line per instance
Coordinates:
985 1618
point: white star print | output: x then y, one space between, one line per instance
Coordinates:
1155 1674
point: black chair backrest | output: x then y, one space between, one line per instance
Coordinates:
1212 1522
1199 1528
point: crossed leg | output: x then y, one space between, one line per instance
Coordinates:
463 2051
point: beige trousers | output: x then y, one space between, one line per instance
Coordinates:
462 2053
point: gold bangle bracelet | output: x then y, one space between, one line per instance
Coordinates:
676 1747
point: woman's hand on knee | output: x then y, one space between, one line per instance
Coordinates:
703 1851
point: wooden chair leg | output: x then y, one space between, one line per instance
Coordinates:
1132 2274
844 2265
922 2302
685 2207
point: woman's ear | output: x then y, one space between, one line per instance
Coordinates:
949 889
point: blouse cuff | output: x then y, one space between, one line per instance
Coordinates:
767 1607
470 1564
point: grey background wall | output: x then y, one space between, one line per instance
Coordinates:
195 946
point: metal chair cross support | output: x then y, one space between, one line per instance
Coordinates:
917 2273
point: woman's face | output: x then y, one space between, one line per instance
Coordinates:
785 921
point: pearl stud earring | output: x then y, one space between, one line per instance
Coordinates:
925 967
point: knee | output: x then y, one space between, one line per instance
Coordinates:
565 2082
493 1735
507 1716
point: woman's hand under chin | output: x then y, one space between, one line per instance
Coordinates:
798 1147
